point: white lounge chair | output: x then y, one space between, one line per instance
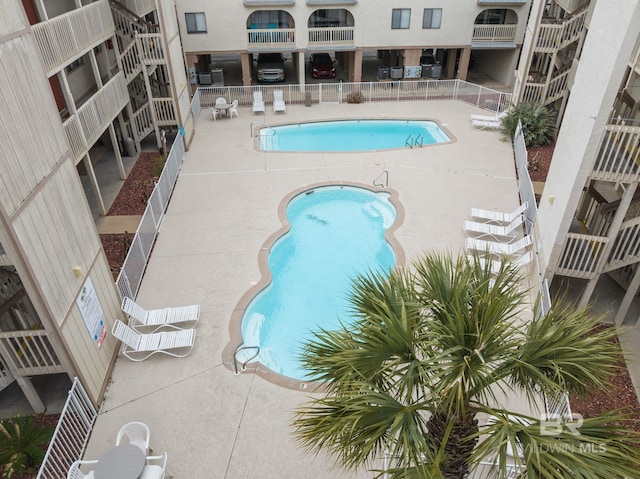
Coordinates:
487 124
136 433
494 247
490 216
495 265
76 473
495 231
258 103
156 317
278 102
233 110
496 117
139 346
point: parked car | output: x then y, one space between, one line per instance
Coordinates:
271 67
322 66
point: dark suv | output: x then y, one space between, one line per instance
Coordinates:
322 66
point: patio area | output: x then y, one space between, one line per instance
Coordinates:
211 422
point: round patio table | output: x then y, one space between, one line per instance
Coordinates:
124 462
223 108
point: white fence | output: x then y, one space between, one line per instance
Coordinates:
400 90
130 275
71 434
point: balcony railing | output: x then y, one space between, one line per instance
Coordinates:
571 6
626 248
580 255
619 154
494 33
329 37
85 127
165 113
140 7
266 38
30 352
555 36
70 35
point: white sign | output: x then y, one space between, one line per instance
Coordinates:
91 310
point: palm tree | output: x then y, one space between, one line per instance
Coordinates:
431 351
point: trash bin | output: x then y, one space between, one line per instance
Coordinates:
130 146
307 98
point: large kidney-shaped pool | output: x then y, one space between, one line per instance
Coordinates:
351 135
335 234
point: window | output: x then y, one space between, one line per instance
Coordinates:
432 18
73 65
196 22
400 18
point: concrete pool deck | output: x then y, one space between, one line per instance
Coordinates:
212 423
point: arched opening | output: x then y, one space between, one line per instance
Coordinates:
497 16
334 17
261 19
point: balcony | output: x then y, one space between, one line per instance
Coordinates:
270 39
140 7
331 37
618 159
571 6
85 127
484 3
494 36
69 36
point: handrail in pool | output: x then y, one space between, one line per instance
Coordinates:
244 365
409 142
419 139
385 173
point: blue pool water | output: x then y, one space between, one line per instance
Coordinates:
351 135
337 232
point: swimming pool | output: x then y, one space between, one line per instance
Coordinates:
335 233
351 135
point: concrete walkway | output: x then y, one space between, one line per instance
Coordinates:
212 423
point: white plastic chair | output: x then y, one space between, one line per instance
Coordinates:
278 102
156 467
215 113
135 433
258 103
495 231
220 101
490 216
139 346
234 109
494 247
76 473
157 317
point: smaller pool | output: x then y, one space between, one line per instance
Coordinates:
351 135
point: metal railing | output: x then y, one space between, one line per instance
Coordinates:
71 434
373 91
135 263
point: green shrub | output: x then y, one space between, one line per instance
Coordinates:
538 123
355 97
21 445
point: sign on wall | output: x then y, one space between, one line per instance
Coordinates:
92 313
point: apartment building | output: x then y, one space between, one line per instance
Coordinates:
75 74
588 217
484 33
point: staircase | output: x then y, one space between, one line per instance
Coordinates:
141 52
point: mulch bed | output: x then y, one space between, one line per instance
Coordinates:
539 158
133 196
620 393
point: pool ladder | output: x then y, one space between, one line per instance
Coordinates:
385 175
242 347
411 142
